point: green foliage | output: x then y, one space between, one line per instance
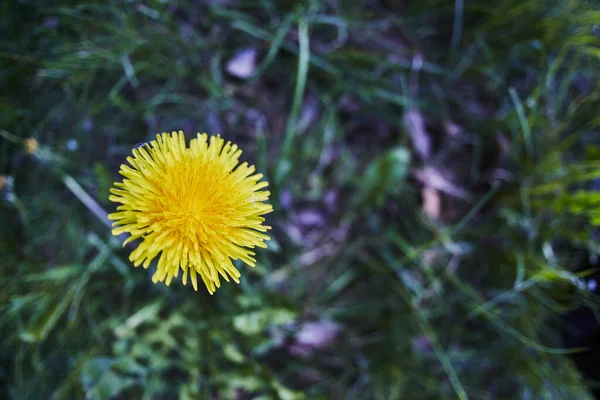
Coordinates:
465 306
383 175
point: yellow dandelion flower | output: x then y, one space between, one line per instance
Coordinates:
196 206
31 145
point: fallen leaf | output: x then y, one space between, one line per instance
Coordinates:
432 177
309 113
314 335
453 129
432 202
415 125
242 64
310 217
318 334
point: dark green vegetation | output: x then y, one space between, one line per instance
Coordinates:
430 165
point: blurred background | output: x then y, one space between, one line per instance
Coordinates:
433 167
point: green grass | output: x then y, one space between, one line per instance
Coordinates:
464 306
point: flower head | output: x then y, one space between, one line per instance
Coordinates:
196 207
